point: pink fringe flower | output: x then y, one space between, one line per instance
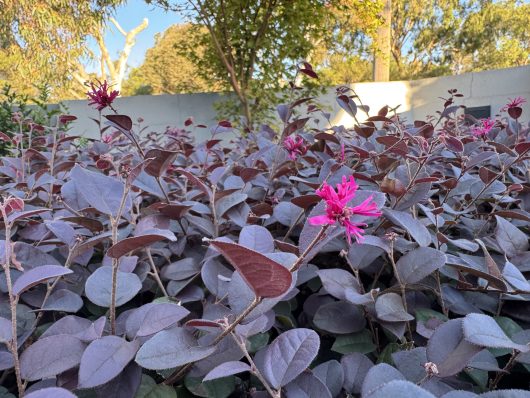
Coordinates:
514 103
295 146
514 107
338 211
484 128
100 95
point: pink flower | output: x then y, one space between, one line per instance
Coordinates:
100 95
107 138
337 209
295 147
514 107
514 103
484 128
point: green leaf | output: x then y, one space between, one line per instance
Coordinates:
355 342
149 389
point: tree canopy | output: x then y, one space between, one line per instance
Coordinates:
167 69
42 40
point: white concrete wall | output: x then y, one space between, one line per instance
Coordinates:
417 98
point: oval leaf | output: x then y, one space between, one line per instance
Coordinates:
37 275
389 307
98 286
102 192
416 229
104 359
171 348
51 392
448 349
50 356
127 245
289 355
227 369
484 331
419 263
266 277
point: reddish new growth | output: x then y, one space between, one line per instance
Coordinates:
483 128
514 107
338 211
514 103
100 95
295 146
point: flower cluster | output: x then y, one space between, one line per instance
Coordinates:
295 146
514 107
101 96
484 127
338 211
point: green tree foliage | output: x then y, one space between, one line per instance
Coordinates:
436 37
251 48
432 38
42 40
167 69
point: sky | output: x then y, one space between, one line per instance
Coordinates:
129 16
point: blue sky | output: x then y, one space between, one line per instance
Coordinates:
129 16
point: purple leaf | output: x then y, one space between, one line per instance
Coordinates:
307 385
6 360
483 330
389 307
62 230
6 333
227 202
63 300
102 192
98 287
257 238
38 275
267 278
82 328
337 282
51 392
30 256
49 356
510 238
347 104
17 215
181 269
355 366
227 369
448 349
379 375
399 389
331 374
125 385
419 263
104 359
339 317
289 355
153 317
415 228
149 237
410 363
171 348
161 161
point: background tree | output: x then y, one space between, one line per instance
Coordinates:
42 40
109 69
252 49
166 68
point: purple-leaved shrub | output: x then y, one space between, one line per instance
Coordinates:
151 265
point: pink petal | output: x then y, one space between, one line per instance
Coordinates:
321 220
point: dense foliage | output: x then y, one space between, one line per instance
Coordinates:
385 260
